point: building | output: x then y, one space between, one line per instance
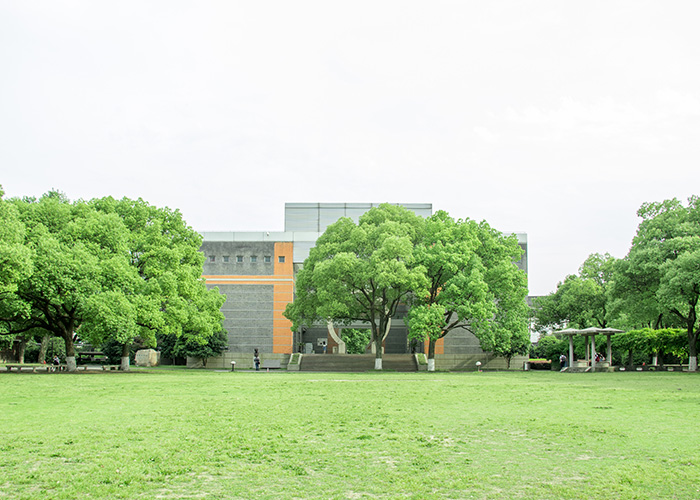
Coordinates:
256 271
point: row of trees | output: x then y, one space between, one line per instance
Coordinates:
102 270
452 273
656 285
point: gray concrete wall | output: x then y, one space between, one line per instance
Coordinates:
219 250
467 362
248 312
460 341
244 360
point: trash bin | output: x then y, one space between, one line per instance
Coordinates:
233 366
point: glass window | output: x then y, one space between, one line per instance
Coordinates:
280 259
239 258
267 259
212 258
253 258
226 258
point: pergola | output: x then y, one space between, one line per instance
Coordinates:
590 334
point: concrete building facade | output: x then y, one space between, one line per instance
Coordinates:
256 271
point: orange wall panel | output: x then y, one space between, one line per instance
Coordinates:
439 346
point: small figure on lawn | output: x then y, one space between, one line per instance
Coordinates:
256 360
562 361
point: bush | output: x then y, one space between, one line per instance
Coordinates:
356 339
113 352
540 364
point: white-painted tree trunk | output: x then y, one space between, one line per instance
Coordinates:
693 363
431 365
124 364
335 337
386 333
71 365
377 363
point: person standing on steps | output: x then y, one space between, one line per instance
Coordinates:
256 360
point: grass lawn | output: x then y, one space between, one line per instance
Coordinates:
199 434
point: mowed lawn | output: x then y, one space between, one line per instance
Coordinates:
200 434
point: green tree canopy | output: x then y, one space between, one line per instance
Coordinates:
660 277
361 272
474 284
581 300
110 270
454 274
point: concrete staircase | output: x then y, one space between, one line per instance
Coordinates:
356 363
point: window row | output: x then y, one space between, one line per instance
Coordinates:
267 259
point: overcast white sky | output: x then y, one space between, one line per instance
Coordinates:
554 118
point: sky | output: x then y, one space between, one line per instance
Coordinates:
558 119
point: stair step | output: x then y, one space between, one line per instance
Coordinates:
356 362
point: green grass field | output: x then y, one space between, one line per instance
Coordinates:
198 434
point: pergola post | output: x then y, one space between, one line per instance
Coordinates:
609 351
571 350
593 352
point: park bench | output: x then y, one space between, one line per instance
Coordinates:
34 368
110 367
271 364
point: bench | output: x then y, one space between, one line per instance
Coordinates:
271 364
34 368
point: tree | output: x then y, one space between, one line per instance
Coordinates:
190 346
170 296
581 300
665 253
506 334
78 254
356 339
474 284
110 271
361 272
15 257
550 347
15 266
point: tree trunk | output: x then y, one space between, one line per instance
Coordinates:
692 339
125 358
377 348
508 358
431 355
44 347
71 365
21 348
693 352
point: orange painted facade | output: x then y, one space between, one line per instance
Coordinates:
439 346
283 294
